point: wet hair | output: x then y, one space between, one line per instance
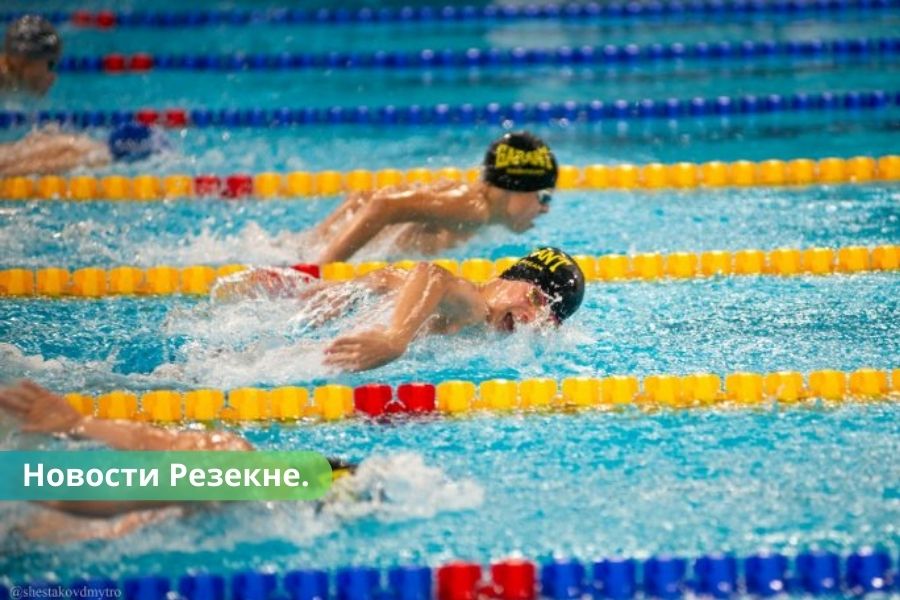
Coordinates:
556 274
520 162
33 37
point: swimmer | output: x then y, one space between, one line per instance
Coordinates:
50 150
518 177
32 48
547 286
41 411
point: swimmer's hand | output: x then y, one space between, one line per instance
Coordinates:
39 409
365 350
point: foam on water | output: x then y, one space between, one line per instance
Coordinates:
266 340
251 245
400 487
63 373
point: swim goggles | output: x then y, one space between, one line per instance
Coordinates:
540 300
544 197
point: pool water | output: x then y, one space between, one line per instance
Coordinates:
587 485
583 485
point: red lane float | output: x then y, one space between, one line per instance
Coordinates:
416 397
105 19
308 269
147 116
207 185
458 581
82 18
114 63
140 62
175 117
238 186
514 579
372 399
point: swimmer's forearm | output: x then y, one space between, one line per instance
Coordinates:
42 154
38 166
364 225
46 165
104 508
402 206
129 435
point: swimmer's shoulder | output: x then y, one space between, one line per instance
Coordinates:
385 279
464 306
442 186
6 81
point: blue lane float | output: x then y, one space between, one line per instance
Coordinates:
816 573
470 114
606 55
615 9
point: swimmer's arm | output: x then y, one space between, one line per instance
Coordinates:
130 435
403 206
42 153
42 411
419 297
349 206
104 508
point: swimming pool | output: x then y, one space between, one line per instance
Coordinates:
623 482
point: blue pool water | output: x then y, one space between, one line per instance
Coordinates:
585 485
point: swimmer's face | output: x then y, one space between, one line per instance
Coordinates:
522 208
519 303
36 75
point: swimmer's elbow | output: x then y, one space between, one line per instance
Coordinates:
433 272
390 208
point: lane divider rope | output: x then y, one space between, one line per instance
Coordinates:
747 50
493 113
718 9
305 184
715 575
93 282
332 402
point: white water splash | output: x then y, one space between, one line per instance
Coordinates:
400 487
35 245
70 374
268 341
251 245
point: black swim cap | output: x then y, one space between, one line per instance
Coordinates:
520 162
33 37
558 276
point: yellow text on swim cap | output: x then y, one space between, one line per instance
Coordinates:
507 156
550 259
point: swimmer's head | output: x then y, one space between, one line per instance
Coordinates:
523 170
131 142
547 283
341 468
32 47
